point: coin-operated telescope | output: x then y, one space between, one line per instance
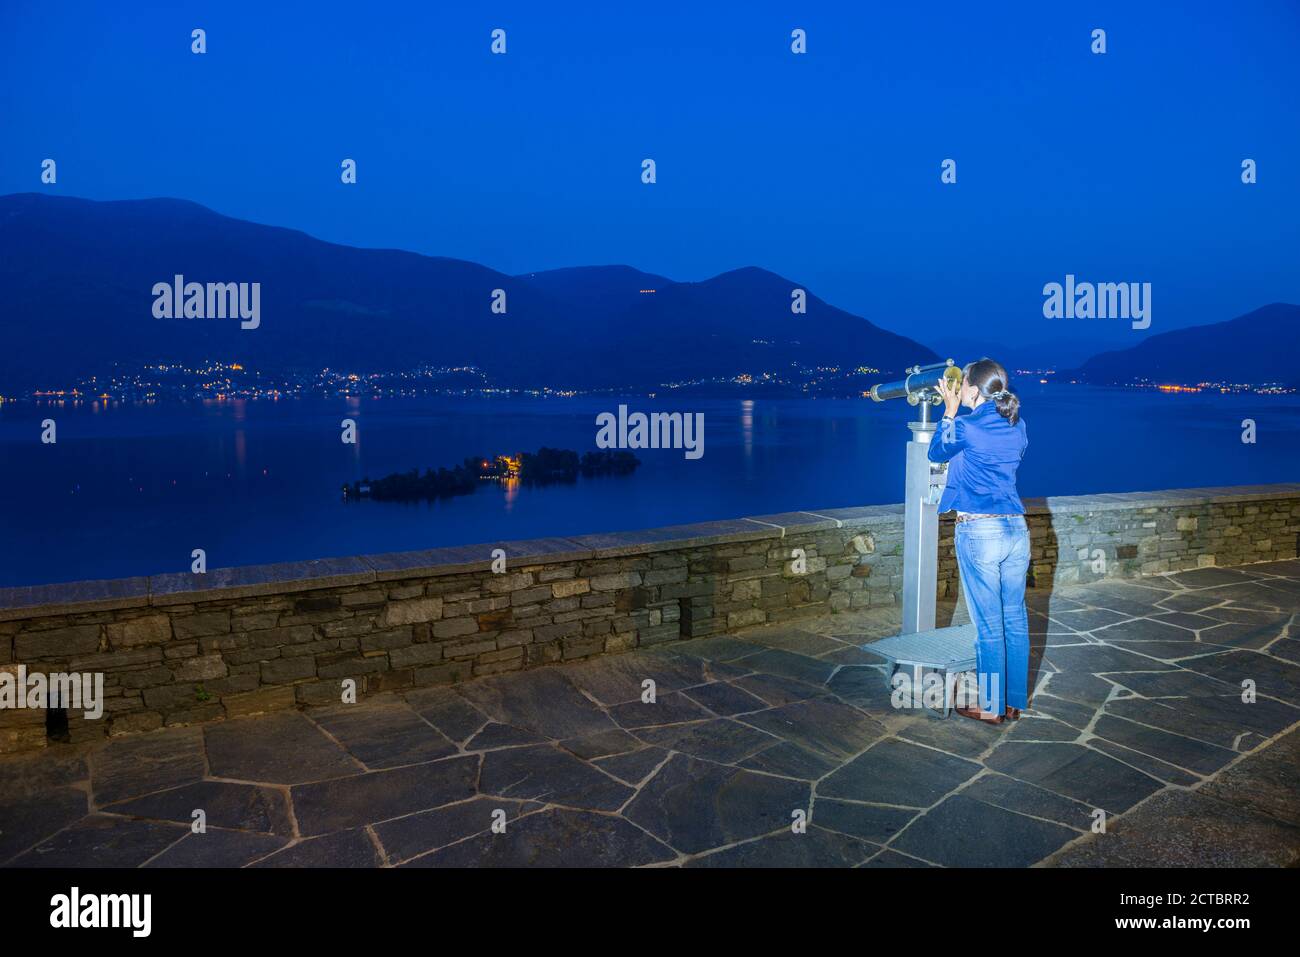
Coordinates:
922 487
919 386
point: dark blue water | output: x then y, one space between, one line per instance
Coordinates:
132 490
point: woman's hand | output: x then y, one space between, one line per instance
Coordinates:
950 392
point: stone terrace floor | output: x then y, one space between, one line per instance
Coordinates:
1137 711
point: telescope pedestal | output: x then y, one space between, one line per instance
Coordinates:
921 646
922 489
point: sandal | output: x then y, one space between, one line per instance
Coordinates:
979 715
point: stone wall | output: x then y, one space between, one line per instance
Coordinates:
181 649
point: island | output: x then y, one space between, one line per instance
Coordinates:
546 466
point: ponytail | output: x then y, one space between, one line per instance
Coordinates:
990 378
1008 404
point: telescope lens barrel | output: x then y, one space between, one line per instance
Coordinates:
916 382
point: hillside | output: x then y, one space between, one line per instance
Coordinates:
77 279
1255 348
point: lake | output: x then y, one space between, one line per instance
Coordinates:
133 489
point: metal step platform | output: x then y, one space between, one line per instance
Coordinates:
949 651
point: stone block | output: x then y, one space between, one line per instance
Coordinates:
455 627
468 649
350 666
494 620
261 701
409 612
386 640
573 586
616 580
201 624
254 621
199 668
742 619
528 596
134 632
444 674
424 654
286 670
57 642
171 698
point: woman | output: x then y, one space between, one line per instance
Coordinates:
983 450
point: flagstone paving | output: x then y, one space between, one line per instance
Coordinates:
774 747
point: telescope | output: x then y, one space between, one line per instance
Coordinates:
923 486
919 386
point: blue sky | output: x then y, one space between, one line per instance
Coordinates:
822 167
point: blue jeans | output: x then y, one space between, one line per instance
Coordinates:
993 560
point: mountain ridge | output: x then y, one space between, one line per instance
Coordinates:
1240 350
78 276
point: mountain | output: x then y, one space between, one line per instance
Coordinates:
77 277
1256 348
